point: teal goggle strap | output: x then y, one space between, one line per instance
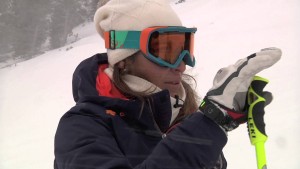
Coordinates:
122 39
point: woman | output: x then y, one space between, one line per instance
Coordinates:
134 106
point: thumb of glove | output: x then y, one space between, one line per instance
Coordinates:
231 83
268 96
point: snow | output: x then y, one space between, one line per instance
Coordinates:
36 93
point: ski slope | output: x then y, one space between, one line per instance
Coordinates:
36 93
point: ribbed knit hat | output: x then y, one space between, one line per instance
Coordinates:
132 15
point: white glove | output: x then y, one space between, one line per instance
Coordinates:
225 101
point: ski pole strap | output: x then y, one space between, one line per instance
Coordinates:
256 124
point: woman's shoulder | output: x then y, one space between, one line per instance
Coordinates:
81 125
83 118
86 109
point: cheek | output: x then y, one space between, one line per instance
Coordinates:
144 68
156 78
153 74
149 71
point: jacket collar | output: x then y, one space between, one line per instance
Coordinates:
84 76
153 116
157 106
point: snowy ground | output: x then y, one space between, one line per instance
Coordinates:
35 94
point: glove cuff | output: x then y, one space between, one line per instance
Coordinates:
218 114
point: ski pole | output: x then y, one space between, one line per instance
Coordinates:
256 125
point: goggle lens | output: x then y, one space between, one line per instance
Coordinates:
168 46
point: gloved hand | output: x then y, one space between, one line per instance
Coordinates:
225 101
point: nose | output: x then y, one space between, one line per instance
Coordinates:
181 67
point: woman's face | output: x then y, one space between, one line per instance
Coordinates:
163 77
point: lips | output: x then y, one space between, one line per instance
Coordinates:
173 83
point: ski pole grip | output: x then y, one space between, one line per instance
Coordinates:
256 102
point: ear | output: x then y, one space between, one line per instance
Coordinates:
121 64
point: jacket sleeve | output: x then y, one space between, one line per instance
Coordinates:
195 143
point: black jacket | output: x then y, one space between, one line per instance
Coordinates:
89 137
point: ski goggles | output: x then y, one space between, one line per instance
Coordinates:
166 46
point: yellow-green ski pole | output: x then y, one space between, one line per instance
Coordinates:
256 125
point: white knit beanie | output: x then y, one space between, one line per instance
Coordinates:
132 15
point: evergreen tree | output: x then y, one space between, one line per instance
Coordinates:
6 30
66 15
25 27
30 27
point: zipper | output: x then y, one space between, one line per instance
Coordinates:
172 127
163 135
